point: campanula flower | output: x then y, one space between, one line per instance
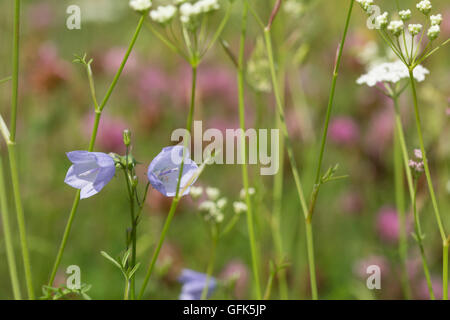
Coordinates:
194 283
164 170
90 172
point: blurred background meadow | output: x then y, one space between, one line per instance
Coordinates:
355 223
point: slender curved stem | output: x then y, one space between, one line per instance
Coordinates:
177 197
91 146
10 256
250 219
210 268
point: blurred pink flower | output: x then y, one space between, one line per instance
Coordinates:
40 16
236 270
111 60
351 202
388 224
48 69
379 135
360 267
217 84
110 133
343 131
445 27
424 294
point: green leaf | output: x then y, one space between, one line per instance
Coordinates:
113 261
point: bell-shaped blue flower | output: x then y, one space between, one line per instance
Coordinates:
164 170
90 171
194 283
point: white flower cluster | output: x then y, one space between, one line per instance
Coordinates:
424 6
433 32
405 14
163 14
391 72
365 4
239 207
396 27
251 192
213 207
436 20
382 20
190 11
414 29
140 5
417 164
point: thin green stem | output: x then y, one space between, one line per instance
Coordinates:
445 269
400 203
312 265
20 218
419 238
91 146
177 197
250 219
425 159
127 290
5 79
15 71
331 97
210 267
10 256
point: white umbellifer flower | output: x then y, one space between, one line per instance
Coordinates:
396 27
251 191
391 72
433 32
405 14
414 29
212 193
293 7
365 4
140 5
206 6
382 20
221 203
239 207
424 6
188 11
163 14
196 192
436 20
208 206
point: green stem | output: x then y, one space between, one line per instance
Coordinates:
5 79
210 267
330 108
10 256
445 269
91 146
312 266
400 203
20 218
412 190
15 71
177 197
127 289
250 219
425 159
419 238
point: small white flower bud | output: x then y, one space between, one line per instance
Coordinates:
436 20
251 191
163 14
212 193
239 207
414 29
433 32
396 27
424 6
382 20
405 15
221 203
140 5
365 4
196 192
